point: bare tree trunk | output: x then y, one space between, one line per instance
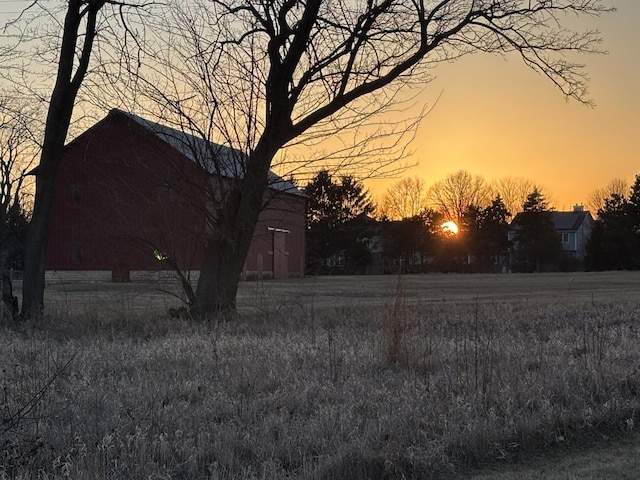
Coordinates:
58 120
34 267
224 257
228 245
219 277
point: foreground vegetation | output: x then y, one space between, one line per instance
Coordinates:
312 390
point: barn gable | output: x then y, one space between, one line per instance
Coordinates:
214 158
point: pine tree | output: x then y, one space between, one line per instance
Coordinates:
536 242
493 233
338 224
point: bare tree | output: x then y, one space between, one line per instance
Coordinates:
18 152
72 40
404 199
596 199
513 191
264 75
453 196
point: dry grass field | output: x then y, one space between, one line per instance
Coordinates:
428 376
354 291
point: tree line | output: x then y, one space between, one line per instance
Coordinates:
349 233
615 239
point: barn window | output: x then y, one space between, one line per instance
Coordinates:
165 193
76 193
78 255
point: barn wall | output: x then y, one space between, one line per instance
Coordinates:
278 243
111 208
122 194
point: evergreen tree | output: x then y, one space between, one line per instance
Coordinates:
13 234
468 245
338 224
493 234
614 242
536 242
633 215
411 243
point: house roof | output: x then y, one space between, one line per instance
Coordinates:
214 158
568 221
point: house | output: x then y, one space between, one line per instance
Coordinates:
136 196
574 229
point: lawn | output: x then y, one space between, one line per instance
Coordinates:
428 376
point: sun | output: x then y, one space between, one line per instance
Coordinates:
450 227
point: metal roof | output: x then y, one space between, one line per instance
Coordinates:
214 158
568 221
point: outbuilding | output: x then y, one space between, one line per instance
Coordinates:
133 197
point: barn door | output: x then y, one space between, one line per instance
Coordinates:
280 256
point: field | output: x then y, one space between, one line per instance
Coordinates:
428 376
367 291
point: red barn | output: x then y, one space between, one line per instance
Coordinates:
132 195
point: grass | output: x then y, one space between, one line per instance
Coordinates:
437 377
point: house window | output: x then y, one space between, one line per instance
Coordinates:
564 237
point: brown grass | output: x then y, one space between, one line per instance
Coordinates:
305 384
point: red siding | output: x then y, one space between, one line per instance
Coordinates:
278 242
122 193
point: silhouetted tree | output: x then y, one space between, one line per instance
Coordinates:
536 241
455 194
338 224
412 244
596 199
17 154
615 239
469 236
406 198
73 41
513 191
493 234
633 212
262 75
483 237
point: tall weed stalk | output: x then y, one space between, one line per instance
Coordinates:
394 327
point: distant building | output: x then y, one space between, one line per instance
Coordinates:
131 195
573 228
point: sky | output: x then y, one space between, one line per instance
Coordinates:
497 118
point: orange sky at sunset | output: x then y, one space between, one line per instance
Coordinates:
497 118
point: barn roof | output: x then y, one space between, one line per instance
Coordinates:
216 159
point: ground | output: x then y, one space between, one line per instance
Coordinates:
350 291
427 376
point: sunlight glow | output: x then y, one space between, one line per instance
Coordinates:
450 228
